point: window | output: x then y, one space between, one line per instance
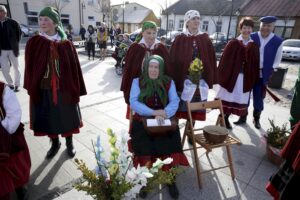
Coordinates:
170 24
219 26
91 18
205 26
181 22
33 19
65 19
287 33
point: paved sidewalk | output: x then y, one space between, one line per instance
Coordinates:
250 163
104 108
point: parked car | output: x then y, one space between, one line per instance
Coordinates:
26 31
170 36
291 49
219 40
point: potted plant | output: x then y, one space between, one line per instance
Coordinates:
276 138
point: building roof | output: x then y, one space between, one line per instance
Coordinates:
134 17
279 8
206 7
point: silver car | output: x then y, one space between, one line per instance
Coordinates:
291 49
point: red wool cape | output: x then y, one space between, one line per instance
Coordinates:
237 58
71 83
182 54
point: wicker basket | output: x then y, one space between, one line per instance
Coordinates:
215 134
272 156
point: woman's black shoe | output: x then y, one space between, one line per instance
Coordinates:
242 120
173 190
227 123
70 148
54 148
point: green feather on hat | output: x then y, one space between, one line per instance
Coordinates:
53 14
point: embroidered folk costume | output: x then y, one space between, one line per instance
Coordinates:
147 96
186 47
54 82
270 48
238 72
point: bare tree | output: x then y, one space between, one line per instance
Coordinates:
58 4
103 6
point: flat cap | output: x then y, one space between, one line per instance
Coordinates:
268 19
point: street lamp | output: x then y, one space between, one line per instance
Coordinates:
123 6
230 19
82 16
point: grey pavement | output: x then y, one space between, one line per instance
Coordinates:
104 108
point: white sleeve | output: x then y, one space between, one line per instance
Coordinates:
12 109
278 57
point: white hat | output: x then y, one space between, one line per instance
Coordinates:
188 16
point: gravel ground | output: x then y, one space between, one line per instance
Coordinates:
286 92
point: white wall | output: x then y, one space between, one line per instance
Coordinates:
71 8
210 19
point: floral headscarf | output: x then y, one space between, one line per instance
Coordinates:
188 16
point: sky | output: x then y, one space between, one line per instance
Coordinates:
155 5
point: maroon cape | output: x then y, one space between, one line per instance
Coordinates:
182 54
14 157
37 53
133 64
237 58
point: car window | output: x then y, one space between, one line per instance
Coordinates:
292 44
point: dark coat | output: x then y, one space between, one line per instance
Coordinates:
14 34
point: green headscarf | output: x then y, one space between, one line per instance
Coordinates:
150 86
53 14
146 25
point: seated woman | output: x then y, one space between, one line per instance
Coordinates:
153 94
14 154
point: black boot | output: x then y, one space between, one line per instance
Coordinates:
54 148
70 148
143 193
227 123
173 190
242 120
22 193
256 116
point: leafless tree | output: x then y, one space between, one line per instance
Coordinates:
103 6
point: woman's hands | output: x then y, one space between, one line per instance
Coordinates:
161 113
160 116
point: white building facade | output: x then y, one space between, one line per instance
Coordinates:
73 12
208 24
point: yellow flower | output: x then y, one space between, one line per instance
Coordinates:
195 70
